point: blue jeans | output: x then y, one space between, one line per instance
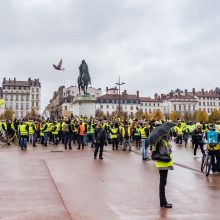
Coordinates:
23 142
68 139
45 138
34 138
85 140
143 149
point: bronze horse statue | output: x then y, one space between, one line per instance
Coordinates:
84 78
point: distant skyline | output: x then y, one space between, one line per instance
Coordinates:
155 46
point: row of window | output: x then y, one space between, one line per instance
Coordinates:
20 88
209 104
209 98
184 108
150 111
150 104
22 97
16 106
115 107
117 101
22 114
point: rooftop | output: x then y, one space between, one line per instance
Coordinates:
14 82
116 97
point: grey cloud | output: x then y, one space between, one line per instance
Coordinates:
154 45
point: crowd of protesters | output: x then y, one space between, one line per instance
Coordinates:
84 131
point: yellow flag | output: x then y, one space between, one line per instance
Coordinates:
2 102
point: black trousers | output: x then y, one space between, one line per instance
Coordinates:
163 182
98 148
114 143
197 144
81 141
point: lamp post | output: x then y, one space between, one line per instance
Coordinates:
119 83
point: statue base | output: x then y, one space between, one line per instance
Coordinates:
84 105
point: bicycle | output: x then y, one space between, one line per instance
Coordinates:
14 139
7 139
206 162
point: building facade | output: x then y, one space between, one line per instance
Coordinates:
183 102
149 105
61 103
22 96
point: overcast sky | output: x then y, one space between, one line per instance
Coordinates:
154 45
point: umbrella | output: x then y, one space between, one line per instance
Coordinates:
160 132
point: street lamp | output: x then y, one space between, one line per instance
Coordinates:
119 83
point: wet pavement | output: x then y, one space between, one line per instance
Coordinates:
50 183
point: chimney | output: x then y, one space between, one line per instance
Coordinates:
170 94
155 96
138 94
14 79
4 79
203 92
185 91
107 89
193 91
125 92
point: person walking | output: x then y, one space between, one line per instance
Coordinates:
144 134
99 140
213 138
197 139
126 134
114 137
164 148
68 131
23 132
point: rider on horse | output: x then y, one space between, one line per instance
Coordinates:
84 78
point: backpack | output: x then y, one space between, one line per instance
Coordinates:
99 136
66 128
212 138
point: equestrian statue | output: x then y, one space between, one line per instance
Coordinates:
84 78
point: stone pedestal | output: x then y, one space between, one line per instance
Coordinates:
84 105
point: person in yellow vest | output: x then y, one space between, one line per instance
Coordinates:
179 133
23 132
45 130
50 124
75 131
54 131
163 146
126 134
144 134
41 132
137 135
33 133
30 131
114 137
